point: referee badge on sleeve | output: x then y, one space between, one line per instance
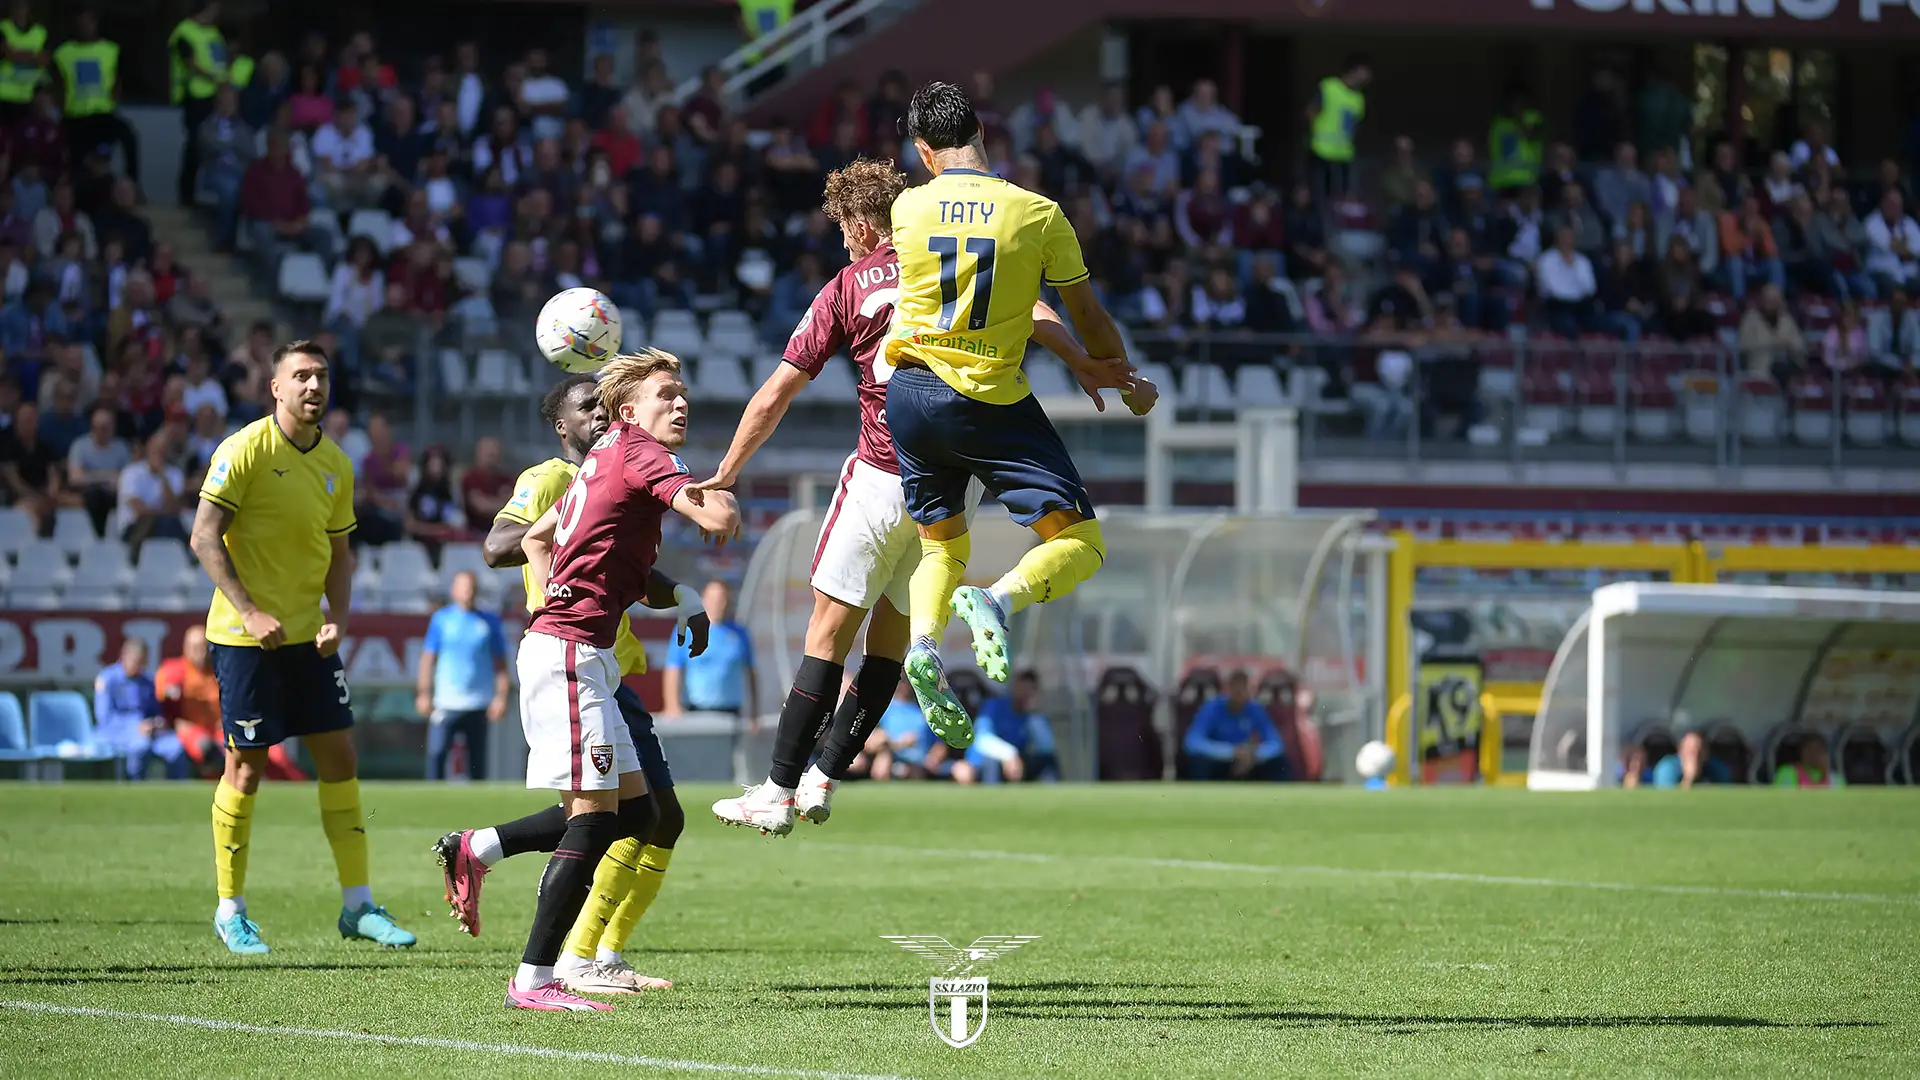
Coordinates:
602 757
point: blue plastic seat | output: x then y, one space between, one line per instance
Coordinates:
13 731
59 716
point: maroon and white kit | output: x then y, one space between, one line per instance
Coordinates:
868 547
603 552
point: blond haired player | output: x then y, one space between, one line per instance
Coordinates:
593 962
591 555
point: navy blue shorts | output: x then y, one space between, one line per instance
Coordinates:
646 743
268 696
945 438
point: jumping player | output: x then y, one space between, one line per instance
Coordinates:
590 556
271 531
974 251
593 962
868 548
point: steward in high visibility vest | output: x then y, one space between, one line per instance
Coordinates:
199 55
1332 118
88 67
24 65
762 17
1515 148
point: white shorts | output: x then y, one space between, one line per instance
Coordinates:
576 737
868 546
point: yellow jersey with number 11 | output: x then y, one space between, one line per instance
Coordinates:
974 251
533 494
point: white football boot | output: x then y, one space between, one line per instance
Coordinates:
764 806
813 799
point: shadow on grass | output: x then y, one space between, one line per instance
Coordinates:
1021 1002
170 973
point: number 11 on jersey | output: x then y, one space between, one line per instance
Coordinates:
982 249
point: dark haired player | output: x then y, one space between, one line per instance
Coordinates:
868 547
271 531
974 251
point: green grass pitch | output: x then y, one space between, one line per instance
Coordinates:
1185 931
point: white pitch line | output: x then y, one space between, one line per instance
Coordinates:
463 1045
1400 875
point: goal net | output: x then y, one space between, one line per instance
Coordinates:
1749 667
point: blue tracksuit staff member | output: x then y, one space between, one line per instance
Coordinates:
1233 738
126 717
462 686
720 679
1012 740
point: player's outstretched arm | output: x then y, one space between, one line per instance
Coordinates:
763 415
1097 328
502 548
210 524
538 545
716 512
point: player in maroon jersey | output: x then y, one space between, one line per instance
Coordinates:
591 555
869 546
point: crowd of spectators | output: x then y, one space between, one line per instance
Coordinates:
115 375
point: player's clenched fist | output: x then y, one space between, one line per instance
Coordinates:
264 629
328 639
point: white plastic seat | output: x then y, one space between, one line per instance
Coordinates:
1205 386
42 561
453 371
497 371
405 561
834 385
303 278
73 530
1047 377
732 333
719 378
375 225
103 564
678 332
474 274
16 530
1257 386
35 596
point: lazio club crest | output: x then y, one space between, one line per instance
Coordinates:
330 482
963 994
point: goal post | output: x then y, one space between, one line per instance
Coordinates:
1743 663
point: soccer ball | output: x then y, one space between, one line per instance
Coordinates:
1374 761
579 330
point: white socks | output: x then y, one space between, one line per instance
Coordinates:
229 907
608 956
486 845
531 977
355 897
1001 599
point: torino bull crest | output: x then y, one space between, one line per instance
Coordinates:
963 993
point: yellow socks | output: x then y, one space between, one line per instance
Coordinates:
612 879
1048 571
943 563
346 831
646 886
232 831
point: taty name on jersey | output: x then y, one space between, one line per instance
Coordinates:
966 212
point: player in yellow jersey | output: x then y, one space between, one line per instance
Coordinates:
974 251
271 531
630 875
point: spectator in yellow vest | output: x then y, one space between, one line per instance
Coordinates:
89 71
24 64
1332 117
199 71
